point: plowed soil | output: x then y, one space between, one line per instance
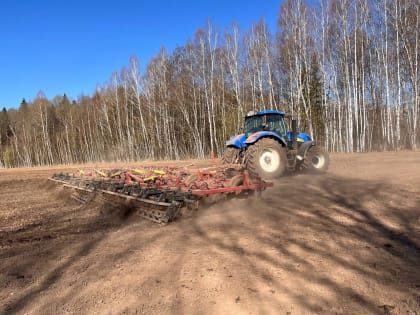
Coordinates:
347 242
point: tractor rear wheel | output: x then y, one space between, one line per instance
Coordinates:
266 159
317 160
230 156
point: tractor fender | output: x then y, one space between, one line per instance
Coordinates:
265 134
237 141
303 149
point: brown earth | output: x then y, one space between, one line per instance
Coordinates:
343 243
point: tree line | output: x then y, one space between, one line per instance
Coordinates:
347 70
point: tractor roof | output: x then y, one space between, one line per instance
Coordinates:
264 112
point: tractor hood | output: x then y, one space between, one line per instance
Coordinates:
264 134
237 141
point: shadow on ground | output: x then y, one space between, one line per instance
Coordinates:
345 245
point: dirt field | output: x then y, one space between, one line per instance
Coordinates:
344 243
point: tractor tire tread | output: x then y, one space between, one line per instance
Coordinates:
313 151
255 150
230 155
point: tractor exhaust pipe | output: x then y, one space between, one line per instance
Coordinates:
294 134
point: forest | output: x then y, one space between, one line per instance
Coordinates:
347 70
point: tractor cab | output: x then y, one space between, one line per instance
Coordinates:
266 120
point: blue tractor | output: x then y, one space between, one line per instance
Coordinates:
268 149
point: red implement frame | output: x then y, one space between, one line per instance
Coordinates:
199 182
247 185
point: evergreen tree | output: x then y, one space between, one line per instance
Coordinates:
5 129
23 106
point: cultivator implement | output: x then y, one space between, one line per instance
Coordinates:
159 194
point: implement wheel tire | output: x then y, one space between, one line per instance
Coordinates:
230 155
266 159
317 160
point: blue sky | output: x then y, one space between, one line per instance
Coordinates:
71 46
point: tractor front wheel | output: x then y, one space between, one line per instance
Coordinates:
317 160
266 159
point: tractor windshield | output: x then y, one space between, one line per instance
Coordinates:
253 124
274 123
